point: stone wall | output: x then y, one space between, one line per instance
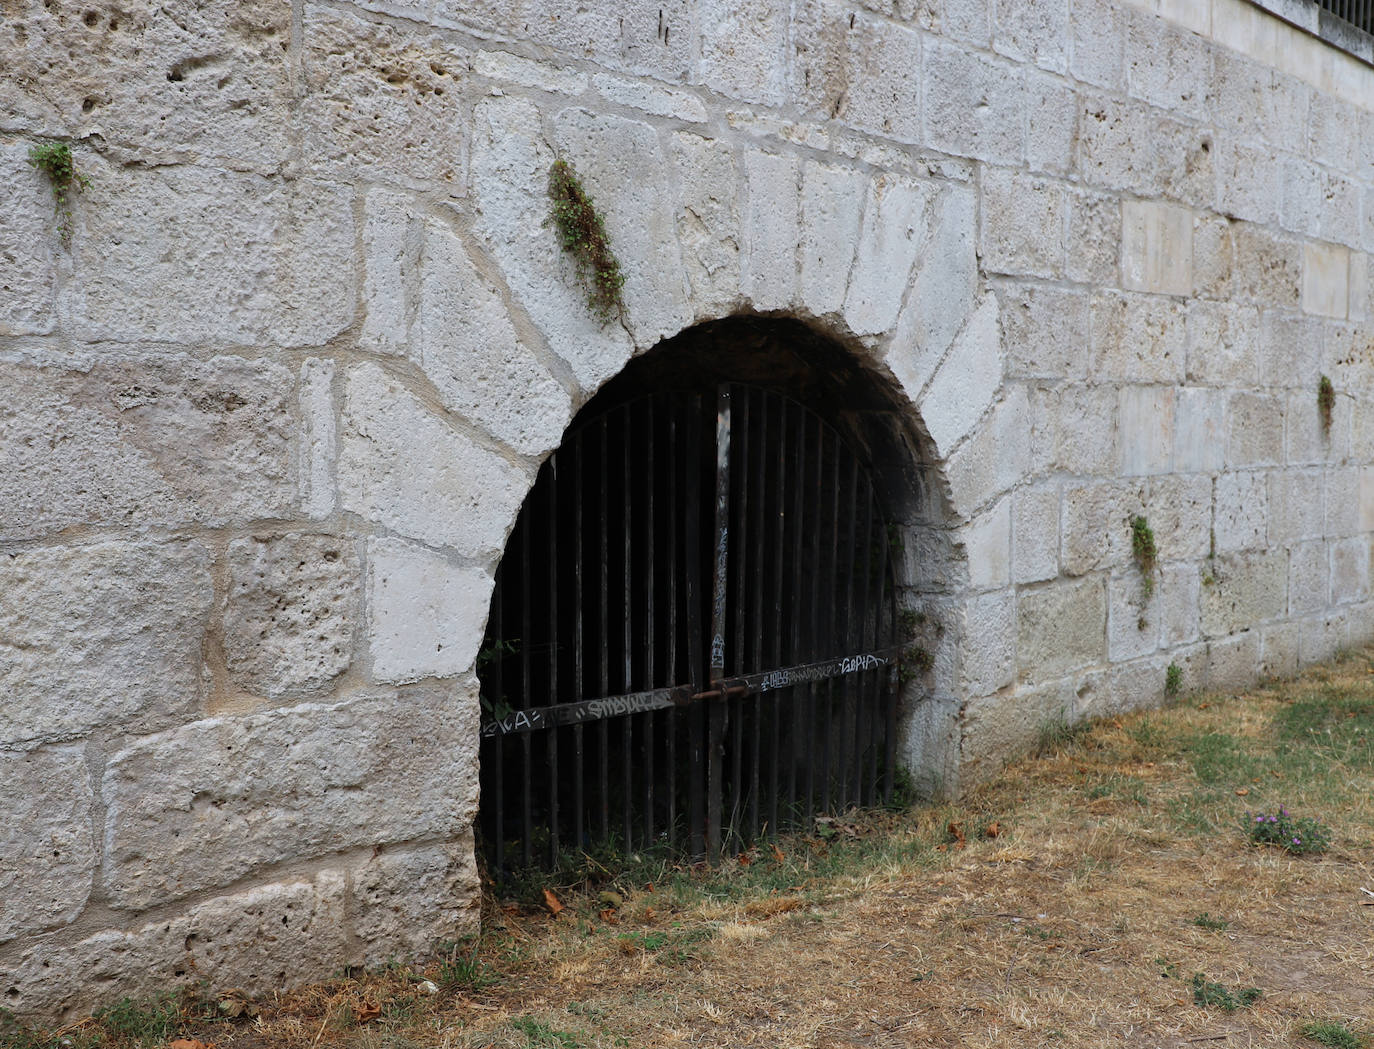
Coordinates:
269 416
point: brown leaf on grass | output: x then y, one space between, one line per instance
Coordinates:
957 833
189 1043
608 916
778 856
745 859
992 830
551 902
367 1011
1242 791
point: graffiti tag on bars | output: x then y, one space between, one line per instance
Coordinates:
821 671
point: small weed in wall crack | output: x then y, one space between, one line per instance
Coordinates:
54 159
582 233
1144 552
1326 401
1173 680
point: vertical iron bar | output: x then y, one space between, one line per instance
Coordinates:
864 715
780 465
579 690
717 708
526 743
604 663
886 610
498 743
830 598
812 721
627 723
849 741
670 779
552 736
650 639
755 537
692 511
798 726
739 562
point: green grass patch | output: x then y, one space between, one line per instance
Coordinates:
1207 993
1332 1033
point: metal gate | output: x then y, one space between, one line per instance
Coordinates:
692 635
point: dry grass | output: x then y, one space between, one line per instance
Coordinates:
1057 906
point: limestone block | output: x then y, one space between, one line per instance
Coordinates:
1322 638
185 81
1180 590
1303 195
505 69
106 634
995 458
1342 501
708 223
1223 344
292 613
403 467
1358 309
1138 338
1249 182
625 170
1156 247
968 20
405 903
27 244
382 101
832 200
1186 168
1116 145
144 442
1325 280
1133 620
1035 533
1234 662
975 106
989 643
884 79
1255 102
1290 351
1023 224
1047 331
1366 499
1096 523
1309 585
968 380
771 230
259 941
997 729
653 99
1348 358
1052 116
1296 510
1061 627
1214 257
1247 589
1073 429
1279 646
46 838
1305 440
392 238
1097 38
184 255
467 346
1241 516
316 444
1338 219
1268 266
896 222
510 175
942 290
1093 238
1256 430
1146 427
208 803
1179 510
1199 430
425 615
744 48
987 546
1167 67
1037 33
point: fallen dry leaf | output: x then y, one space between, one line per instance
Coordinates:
1242 791
189 1043
551 901
993 830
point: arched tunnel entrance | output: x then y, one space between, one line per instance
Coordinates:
694 640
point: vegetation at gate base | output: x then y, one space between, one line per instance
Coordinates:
1296 834
582 234
1332 1033
54 159
1173 679
1144 552
1326 401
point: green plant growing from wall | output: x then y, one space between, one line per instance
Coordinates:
1173 680
1144 552
1326 402
54 159
582 234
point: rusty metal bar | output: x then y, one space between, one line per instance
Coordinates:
697 658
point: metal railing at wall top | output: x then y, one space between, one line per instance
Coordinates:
1357 13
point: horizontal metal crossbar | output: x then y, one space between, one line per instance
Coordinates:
583 711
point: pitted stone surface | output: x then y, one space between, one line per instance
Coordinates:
1245 589
204 805
144 442
408 901
893 231
292 613
106 634
708 221
1060 627
46 837
27 245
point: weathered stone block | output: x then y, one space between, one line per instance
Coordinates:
164 441
975 106
1241 519
46 838
405 903
1035 534
942 290
1166 67
1179 587
1146 424
1156 247
403 467
995 458
317 443
1185 168
771 230
1232 663
1296 509
382 101
1061 627
883 82
1096 523
1223 344
1309 585
1247 589
895 226
1023 224
743 49
1214 257
191 80
467 346
1073 429
1255 436
654 99
997 729
1051 120
1268 266
1035 33
1138 338
211 802
1093 238
968 380
1279 647
1133 620
987 546
832 199
1115 145
1289 351
510 176
1322 637
1097 38
1047 332
103 634
1199 430
392 239
989 643
504 69
1179 510
1325 279
27 240
708 224
178 254
425 615
292 613
1350 570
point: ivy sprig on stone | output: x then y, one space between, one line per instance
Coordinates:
582 234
